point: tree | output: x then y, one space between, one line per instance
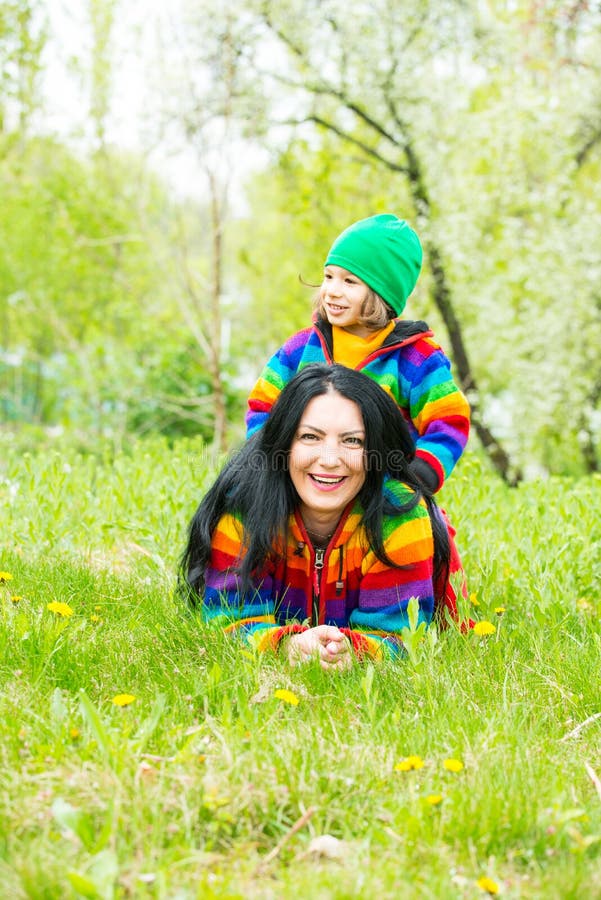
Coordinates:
22 40
454 100
204 94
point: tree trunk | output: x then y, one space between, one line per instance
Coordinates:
442 299
214 361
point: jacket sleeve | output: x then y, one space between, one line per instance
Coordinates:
278 371
439 411
376 624
251 615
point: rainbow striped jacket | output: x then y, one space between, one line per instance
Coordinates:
347 586
409 365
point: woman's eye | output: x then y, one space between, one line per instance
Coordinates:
354 441
307 436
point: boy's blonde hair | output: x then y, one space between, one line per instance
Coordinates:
375 313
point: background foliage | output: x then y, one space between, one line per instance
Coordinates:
129 305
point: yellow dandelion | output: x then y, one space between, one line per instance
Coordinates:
434 799
123 699
474 600
409 763
94 618
484 627
286 696
60 609
98 607
15 598
452 765
499 610
74 733
487 884
5 576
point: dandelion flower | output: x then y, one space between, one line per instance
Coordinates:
60 609
15 598
453 765
409 763
484 627
123 699
499 610
94 618
487 884
474 600
286 696
5 576
74 733
434 799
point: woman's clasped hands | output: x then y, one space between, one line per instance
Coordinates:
326 643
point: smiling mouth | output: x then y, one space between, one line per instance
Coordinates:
335 308
327 479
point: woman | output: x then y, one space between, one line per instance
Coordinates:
316 535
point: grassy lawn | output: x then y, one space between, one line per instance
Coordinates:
471 768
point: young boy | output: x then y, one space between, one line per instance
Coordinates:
370 270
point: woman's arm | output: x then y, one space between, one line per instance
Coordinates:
375 626
250 615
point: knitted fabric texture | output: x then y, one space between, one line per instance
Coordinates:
414 371
384 252
357 591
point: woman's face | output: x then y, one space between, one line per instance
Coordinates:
327 464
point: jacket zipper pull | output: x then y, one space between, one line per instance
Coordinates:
317 567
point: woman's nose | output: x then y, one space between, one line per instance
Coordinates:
329 456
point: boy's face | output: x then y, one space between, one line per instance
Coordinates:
343 296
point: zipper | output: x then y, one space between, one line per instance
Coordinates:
317 567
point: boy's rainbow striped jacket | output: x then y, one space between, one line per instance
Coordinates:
409 365
353 589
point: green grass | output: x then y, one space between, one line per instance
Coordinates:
193 789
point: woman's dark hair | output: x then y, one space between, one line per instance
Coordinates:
255 483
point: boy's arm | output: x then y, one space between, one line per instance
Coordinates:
282 366
376 624
441 415
280 369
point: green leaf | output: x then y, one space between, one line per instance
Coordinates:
96 725
85 887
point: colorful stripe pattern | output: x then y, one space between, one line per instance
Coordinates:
413 370
358 593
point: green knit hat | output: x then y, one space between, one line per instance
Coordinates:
384 252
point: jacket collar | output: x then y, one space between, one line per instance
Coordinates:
405 331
